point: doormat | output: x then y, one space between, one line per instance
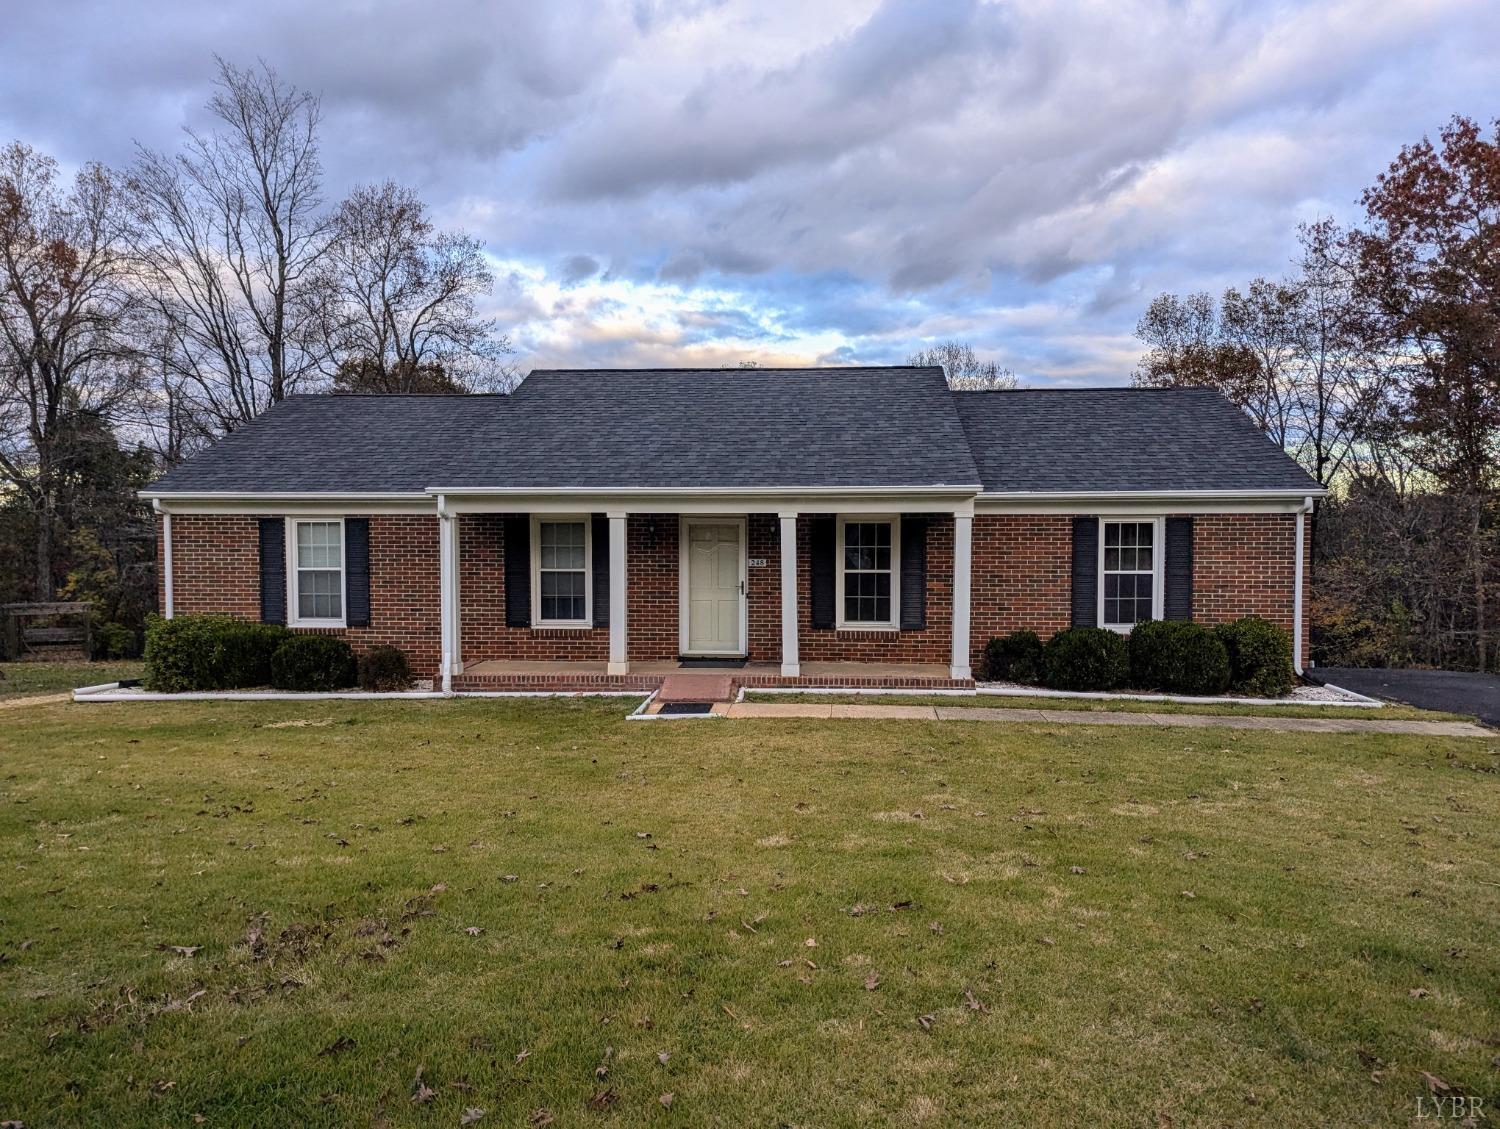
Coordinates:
710 664
686 707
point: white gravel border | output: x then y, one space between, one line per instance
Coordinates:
1301 696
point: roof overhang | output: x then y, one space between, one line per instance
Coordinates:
283 502
710 499
1147 501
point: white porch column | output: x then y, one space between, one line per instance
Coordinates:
791 666
619 635
448 594
963 550
166 547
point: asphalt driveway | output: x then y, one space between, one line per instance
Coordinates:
1455 691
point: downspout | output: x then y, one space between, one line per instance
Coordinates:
166 563
445 592
1306 508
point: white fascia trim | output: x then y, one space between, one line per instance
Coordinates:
1052 495
701 491
286 495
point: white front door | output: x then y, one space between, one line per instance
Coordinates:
714 582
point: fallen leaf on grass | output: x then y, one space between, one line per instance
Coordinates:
602 1099
926 1021
470 1115
421 1092
666 1100
811 943
1078 869
180 950
1419 993
664 1057
522 1056
1435 1084
338 1046
541 1116
473 930
872 982
974 1002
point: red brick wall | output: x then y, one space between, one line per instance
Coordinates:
215 565
483 634
1242 565
216 568
764 611
1022 576
1021 579
651 565
931 645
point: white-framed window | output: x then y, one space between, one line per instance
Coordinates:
315 572
561 587
869 573
1130 571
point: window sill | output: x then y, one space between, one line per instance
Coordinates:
869 627
577 626
316 624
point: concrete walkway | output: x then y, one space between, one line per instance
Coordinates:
1108 717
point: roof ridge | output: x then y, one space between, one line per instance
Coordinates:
730 368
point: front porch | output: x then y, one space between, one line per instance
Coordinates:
524 675
544 593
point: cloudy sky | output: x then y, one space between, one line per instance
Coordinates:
838 181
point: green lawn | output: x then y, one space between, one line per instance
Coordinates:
518 906
24 679
1386 712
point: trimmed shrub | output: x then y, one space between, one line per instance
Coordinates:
1085 658
1015 658
1260 656
384 668
1179 657
313 662
209 652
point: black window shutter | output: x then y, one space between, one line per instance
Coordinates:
1085 572
518 570
913 572
1177 600
357 571
272 570
600 537
822 544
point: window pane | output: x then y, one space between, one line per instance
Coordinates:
318 544
318 595
562 596
562 544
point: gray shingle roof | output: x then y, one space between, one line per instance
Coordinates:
740 428
340 444
1107 439
663 428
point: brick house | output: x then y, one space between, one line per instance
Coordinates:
866 526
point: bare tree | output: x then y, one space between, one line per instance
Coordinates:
230 231
62 299
1293 354
401 300
963 368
